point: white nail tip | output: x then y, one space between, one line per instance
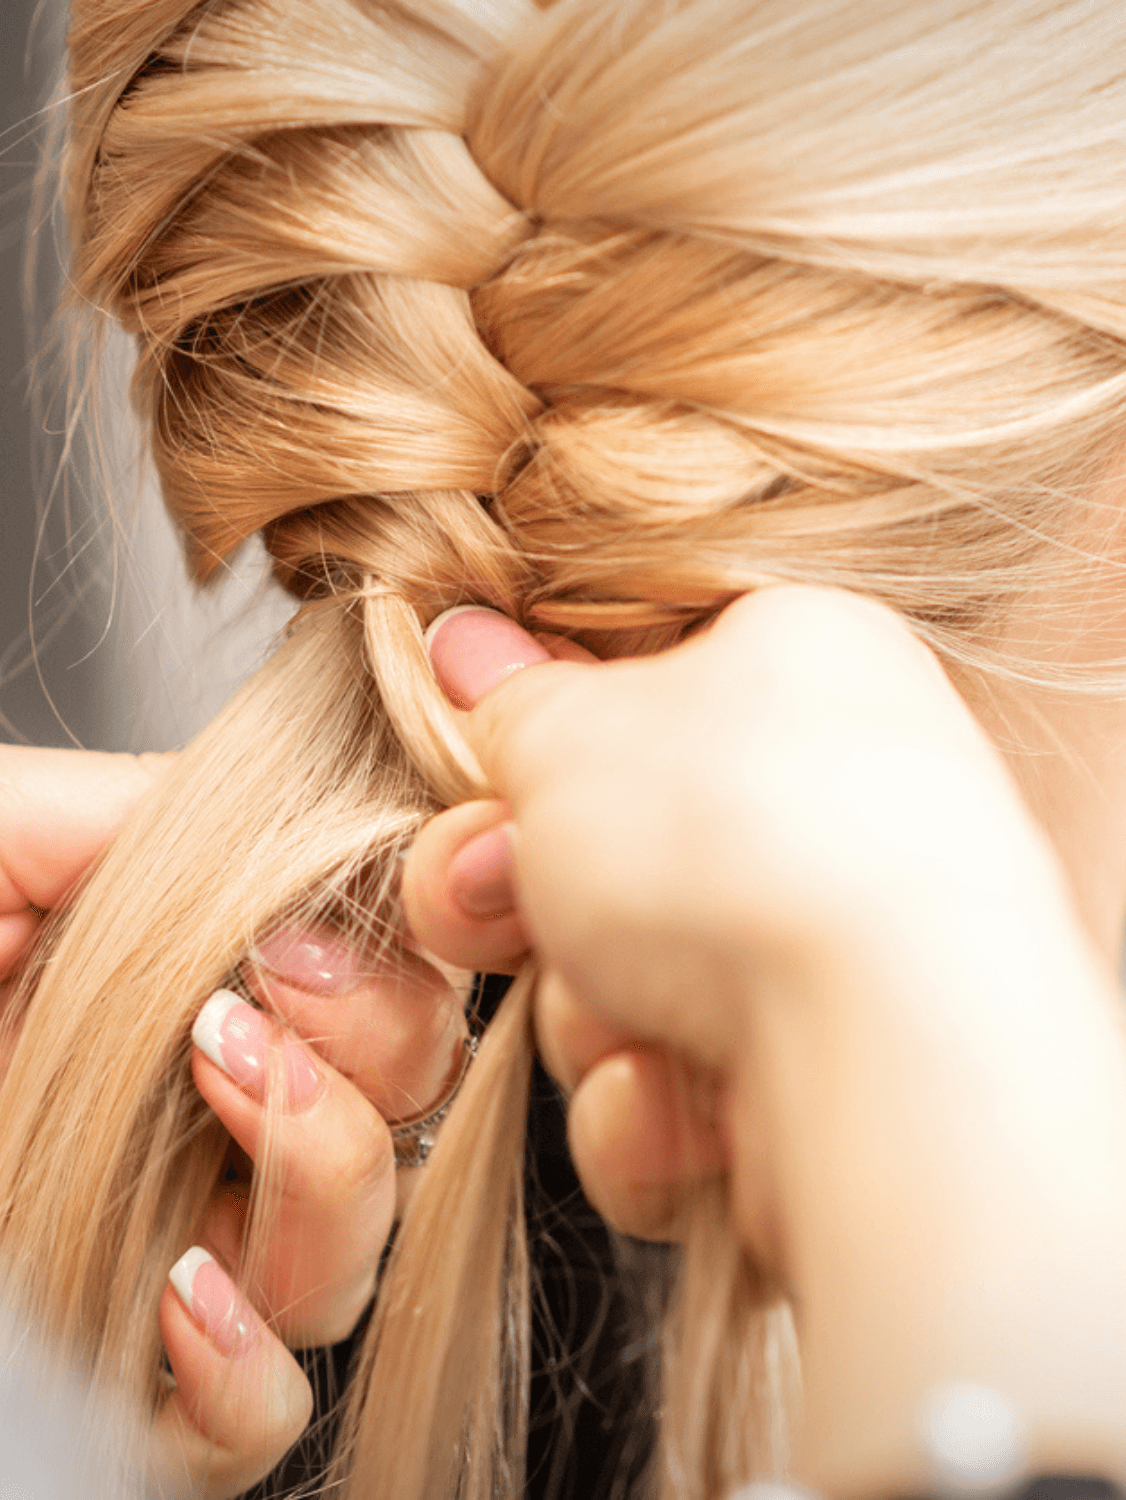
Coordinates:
183 1273
207 1033
458 609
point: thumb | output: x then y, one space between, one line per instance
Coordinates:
481 660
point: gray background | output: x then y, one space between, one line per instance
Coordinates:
102 641
23 84
50 1442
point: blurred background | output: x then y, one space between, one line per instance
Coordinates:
103 642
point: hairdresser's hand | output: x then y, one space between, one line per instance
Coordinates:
58 810
358 1044
784 857
364 1044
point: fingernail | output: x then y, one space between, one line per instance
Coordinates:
310 960
215 1302
481 874
473 650
238 1039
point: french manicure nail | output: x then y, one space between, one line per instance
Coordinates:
238 1038
473 649
214 1301
311 960
481 875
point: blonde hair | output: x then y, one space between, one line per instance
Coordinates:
601 314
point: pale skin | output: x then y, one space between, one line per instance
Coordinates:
889 959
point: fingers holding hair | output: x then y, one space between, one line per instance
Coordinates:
459 889
642 1123
240 1400
335 1163
459 883
58 811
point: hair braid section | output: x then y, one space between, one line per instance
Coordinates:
305 205
299 293
712 418
164 93
792 142
357 386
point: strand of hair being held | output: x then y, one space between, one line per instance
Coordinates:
730 1362
439 1405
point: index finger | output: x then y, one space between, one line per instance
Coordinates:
58 810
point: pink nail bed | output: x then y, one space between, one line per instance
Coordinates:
302 1078
474 649
238 1039
480 874
310 960
215 1302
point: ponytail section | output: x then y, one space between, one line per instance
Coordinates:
439 1406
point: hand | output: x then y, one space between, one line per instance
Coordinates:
386 1037
785 857
58 809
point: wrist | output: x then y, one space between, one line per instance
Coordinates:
944 1119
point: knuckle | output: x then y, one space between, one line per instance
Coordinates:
359 1158
338 1319
568 1037
642 1211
